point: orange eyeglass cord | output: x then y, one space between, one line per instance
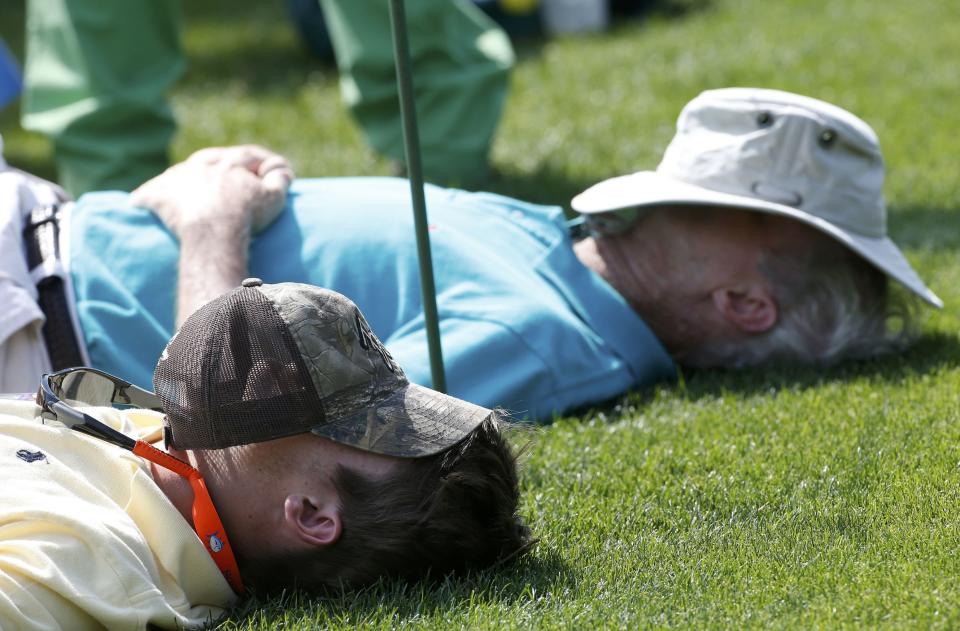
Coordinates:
206 521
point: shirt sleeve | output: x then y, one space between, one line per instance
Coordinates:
23 359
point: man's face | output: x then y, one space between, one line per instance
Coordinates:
284 487
677 262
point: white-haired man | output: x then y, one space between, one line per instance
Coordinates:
761 236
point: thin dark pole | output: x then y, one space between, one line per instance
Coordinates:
411 145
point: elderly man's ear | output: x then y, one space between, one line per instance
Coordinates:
751 308
313 519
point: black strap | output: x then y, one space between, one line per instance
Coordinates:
42 243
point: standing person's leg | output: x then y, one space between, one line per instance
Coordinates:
96 76
461 65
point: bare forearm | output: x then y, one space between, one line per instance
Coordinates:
213 260
211 202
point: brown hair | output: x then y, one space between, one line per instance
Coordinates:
434 516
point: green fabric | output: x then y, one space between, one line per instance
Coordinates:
461 63
97 73
95 81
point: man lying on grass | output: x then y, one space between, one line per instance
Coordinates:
325 466
760 237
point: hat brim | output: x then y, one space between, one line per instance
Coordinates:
413 422
649 188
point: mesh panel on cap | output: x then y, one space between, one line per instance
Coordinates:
233 375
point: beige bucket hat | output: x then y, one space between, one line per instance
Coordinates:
774 152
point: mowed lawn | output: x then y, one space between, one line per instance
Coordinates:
820 497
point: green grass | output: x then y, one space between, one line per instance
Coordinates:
777 498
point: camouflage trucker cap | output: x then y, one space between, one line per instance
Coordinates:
268 361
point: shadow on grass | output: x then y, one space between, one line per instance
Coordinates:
268 69
253 44
267 56
263 67
929 354
538 573
40 166
38 163
660 8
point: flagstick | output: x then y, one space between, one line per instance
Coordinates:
411 143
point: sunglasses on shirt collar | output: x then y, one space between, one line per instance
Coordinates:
57 397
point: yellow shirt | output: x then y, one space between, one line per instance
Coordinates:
87 539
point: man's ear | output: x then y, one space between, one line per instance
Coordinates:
750 308
315 520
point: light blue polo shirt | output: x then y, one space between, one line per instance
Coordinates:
524 325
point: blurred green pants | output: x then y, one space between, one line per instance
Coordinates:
98 71
95 80
461 62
